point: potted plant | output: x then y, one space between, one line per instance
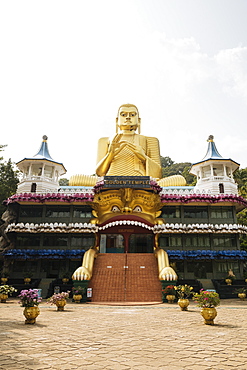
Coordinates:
169 293
29 298
4 277
65 277
245 276
241 293
207 300
59 299
78 293
230 277
5 291
27 275
183 292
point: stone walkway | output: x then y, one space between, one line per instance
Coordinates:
100 337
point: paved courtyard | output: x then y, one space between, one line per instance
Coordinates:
87 336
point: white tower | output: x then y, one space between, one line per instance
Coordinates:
40 173
215 173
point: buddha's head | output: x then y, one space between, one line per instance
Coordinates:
128 118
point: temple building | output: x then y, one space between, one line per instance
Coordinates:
125 230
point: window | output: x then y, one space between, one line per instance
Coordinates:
225 266
33 187
195 212
82 212
55 241
170 241
27 241
170 212
164 242
224 241
111 243
221 188
31 211
197 242
221 212
57 212
82 242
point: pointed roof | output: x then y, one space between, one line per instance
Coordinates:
212 152
213 155
43 154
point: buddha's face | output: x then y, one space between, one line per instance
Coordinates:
128 118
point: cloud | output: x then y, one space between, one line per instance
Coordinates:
66 71
232 71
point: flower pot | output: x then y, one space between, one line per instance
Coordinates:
170 298
209 314
30 314
4 280
65 280
183 304
3 297
242 296
77 298
27 280
60 304
228 281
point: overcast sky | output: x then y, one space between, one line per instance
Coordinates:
66 67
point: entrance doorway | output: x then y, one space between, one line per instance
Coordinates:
127 243
141 243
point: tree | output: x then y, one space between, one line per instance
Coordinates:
170 168
8 180
63 182
240 176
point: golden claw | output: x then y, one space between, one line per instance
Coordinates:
167 273
81 273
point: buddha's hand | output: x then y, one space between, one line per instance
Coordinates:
137 150
81 273
167 273
114 148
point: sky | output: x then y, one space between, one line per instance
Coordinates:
66 67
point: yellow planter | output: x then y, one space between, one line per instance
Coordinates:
77 298
27 280
30 314
183 304
60 304
242 296
209 314
228 281
3 297
4 280
170 298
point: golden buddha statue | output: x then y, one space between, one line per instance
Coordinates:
128 153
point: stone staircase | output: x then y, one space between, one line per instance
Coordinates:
125 277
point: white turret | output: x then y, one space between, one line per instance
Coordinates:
40 173
215 173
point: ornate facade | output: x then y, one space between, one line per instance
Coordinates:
192 231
